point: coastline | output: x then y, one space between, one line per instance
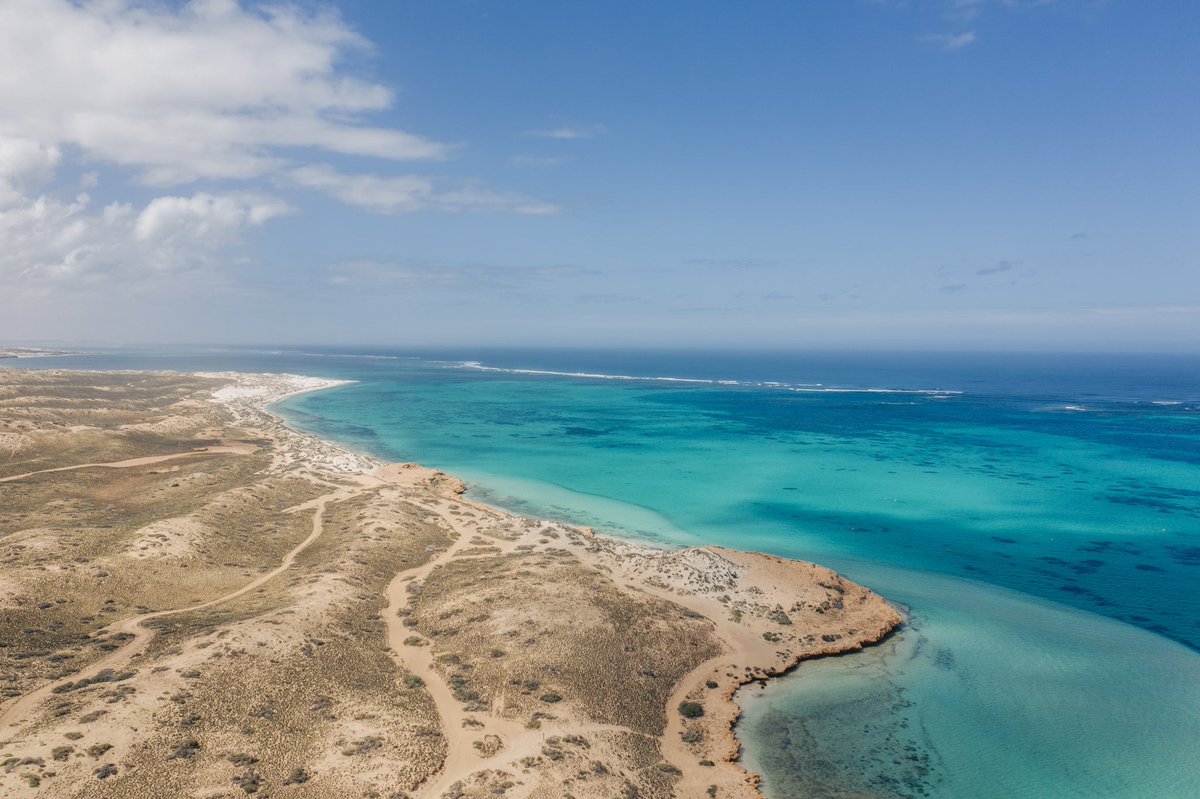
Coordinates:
731 710
689 627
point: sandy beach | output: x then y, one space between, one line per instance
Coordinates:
198 600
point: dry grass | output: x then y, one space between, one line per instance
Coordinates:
289 684
540 632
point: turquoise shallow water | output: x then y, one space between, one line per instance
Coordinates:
1040 516
986 694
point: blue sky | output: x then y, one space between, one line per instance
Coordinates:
998 174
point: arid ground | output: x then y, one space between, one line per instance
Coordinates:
196 601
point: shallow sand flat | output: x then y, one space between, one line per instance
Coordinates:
200 601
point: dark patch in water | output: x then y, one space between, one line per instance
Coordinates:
631 445
1185 556
1086 593
1149 500
1090 566
1146 567
1115 546
858 749
944 659
1004 540
584 432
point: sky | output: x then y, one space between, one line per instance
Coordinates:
826 174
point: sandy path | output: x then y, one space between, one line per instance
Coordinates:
238 449
462 758
13 714
695 778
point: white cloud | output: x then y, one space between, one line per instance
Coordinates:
965 10
972 8
407 193
203 216
205 90
178 92
50 243
24 163
951 41
568 132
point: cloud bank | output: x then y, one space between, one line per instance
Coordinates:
50 244
248 101
208 90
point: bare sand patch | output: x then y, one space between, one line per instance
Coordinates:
168 538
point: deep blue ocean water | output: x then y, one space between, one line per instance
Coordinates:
1039 516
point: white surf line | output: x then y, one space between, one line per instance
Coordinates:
817 388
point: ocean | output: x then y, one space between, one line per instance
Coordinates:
1037 516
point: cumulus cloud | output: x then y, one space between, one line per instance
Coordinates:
203 216
49 243
24 163
243 97
203 90
407 193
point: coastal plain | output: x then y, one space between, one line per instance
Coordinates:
198 601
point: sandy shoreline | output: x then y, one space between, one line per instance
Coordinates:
731 710
576 654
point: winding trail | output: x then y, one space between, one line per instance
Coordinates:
14 714
238 449
463 728
462 758
694 778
